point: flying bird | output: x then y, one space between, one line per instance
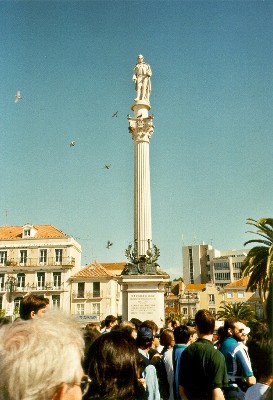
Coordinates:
72 144
107 166
18 96
115 114
109 244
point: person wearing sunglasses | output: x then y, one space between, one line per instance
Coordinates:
40 359
239 369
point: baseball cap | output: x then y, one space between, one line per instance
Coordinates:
145 333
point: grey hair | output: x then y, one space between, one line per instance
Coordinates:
38 355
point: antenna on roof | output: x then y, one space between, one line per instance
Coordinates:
6 215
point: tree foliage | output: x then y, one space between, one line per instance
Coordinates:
239 310
258 263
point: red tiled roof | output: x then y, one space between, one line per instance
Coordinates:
43 232
195 286
243 282
114 268
93 270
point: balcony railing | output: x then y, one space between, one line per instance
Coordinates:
37 262
87 294
35 287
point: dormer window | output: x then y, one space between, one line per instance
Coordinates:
28 231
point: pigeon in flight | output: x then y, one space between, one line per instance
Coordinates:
109 244
107 166
18 96
72 144
115 114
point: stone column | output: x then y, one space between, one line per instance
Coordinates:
141 127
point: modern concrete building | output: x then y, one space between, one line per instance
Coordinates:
202 264
38 259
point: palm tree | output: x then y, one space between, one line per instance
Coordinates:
239 310
258 264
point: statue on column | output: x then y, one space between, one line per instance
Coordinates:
141 77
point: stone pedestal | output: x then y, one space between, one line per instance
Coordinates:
143 297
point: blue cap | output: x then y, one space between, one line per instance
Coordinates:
145 333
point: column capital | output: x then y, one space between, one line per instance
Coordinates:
141 128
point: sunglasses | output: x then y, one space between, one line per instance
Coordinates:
241 330
84 384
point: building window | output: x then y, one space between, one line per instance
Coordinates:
43 256
80 309
21 280
185 311
230 295
241 294
26 232
212 310
3 257
96 289
17 302
23 257
191 266
56 300
211 299
59 255
81 287
2 281
41 280
56 280
96 308
1 302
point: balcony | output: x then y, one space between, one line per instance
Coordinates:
34 287
86 294
37 262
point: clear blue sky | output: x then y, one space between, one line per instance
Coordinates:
212 98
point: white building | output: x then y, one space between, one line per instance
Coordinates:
38 259
96 292
202 263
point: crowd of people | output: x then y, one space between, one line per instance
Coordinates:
46 355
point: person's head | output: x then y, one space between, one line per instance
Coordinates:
140 58
110 321
184 334
32 306
136 322
167 338
235 328
168 323
41 359
175 323
128 328
144 338
205 322
148 323
113 367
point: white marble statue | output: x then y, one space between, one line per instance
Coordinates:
141 77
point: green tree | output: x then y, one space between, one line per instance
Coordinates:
258 264
239 310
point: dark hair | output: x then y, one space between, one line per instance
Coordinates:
109 319
149 324
31 302
90 335
229 323
136 322
183 333
166 337
205 322
113 367
260 348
